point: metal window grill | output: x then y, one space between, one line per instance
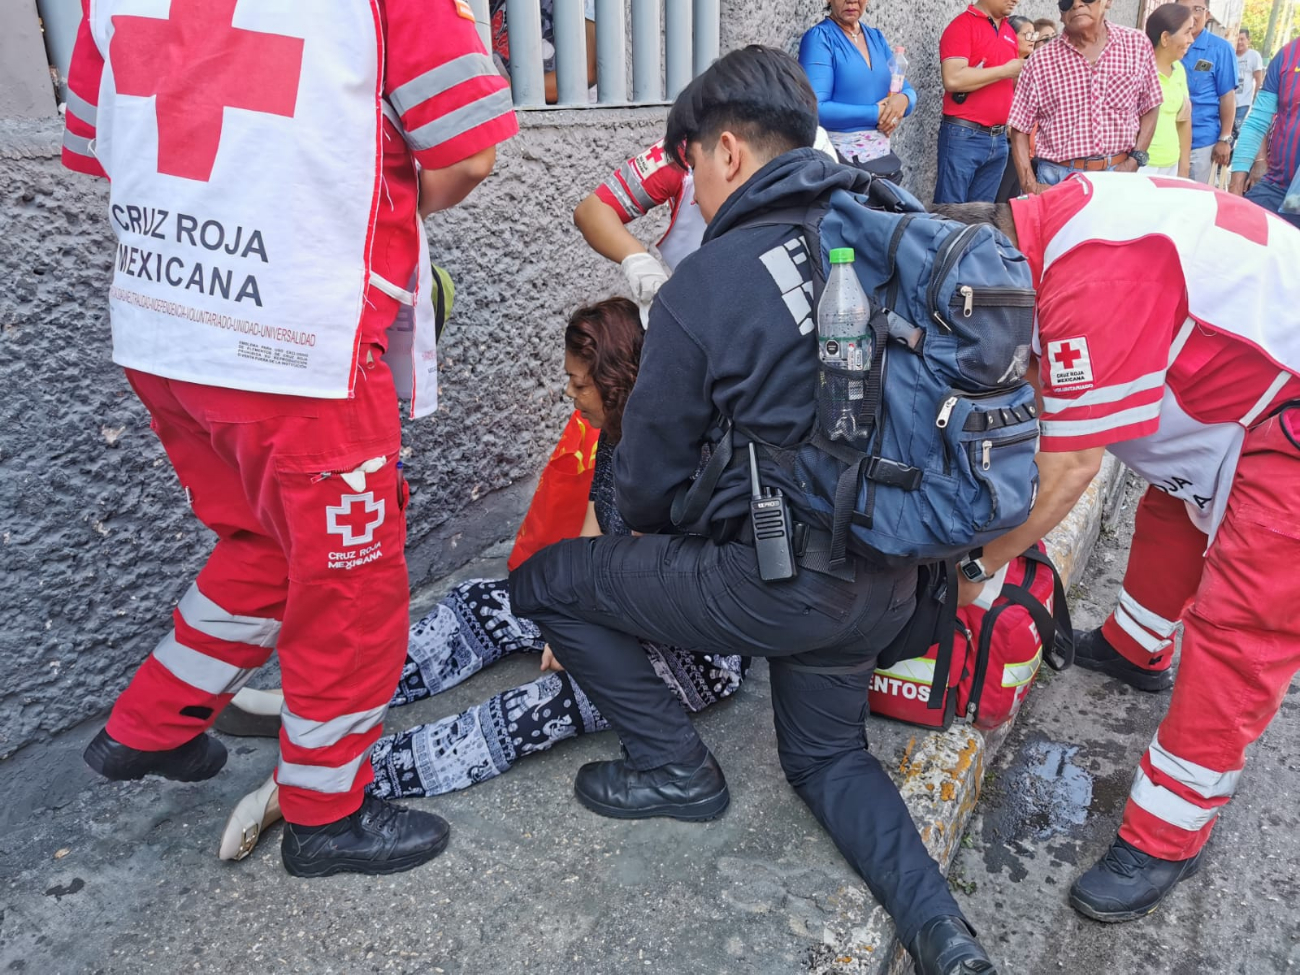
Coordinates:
671 41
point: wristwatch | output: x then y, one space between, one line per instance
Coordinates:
973 569
1139 157
1226 138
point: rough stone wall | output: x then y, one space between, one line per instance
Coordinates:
96 542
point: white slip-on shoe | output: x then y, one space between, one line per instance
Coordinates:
252 713
252 816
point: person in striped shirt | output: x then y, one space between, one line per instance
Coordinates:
1193 381
1274 121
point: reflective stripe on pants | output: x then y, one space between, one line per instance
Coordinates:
305 563
1241 648
1164 569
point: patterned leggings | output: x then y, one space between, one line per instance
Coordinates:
473 628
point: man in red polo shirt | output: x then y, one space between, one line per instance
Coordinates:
270 302
1193 381
980 61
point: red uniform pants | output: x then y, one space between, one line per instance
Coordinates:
305 564
1241 637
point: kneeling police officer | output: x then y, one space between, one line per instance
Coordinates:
730 335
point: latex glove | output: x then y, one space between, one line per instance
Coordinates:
645 276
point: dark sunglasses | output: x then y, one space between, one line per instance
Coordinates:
1064 5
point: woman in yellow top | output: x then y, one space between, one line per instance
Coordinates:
1169 28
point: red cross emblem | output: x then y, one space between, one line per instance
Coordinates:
656 153
1232 213
1067 354
355 518
197 65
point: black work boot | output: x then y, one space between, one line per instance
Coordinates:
378 838
200 758
1127 884
1092 651
688 790
946 946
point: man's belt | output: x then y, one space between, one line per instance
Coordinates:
966 123
1095 163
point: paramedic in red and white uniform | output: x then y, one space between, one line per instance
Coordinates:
1169 334
268 170
634 189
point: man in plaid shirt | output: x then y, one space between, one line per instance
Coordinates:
1094 97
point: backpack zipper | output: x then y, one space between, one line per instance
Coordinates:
949 255
986 448
968 298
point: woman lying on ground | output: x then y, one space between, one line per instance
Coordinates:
473 628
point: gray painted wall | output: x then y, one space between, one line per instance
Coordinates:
26 88
96 542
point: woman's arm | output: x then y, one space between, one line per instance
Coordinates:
818 62
1185 145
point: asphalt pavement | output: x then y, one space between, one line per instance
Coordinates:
1052 802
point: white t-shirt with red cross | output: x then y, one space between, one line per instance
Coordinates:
1168 323
648 180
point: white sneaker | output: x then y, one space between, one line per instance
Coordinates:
253 814
252 713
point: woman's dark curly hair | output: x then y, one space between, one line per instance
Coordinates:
606 337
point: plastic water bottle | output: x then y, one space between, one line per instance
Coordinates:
897 70
845 342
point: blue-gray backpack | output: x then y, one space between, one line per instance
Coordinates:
943 458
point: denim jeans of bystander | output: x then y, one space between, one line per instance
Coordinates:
971 164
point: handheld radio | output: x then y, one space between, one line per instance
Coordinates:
769 516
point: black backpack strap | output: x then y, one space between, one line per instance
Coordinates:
947 635
1055 628
690 504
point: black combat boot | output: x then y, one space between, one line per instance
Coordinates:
199 758
378 838
1127 884
946 946
686 790
1092 651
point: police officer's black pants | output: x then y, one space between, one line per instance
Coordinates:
593 597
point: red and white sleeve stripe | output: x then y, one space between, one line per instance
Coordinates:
84 73
445 89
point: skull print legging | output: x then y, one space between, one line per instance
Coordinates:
473 628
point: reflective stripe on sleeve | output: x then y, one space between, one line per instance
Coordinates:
320 778
628 176
443 78
208 618
1081 428
306 733
447 127
1168 806
1106 394
1201 780
198 669
81 108
78 144
614 186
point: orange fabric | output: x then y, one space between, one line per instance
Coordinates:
560 502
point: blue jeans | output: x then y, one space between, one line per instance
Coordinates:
1050 173
1270 195
970 165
